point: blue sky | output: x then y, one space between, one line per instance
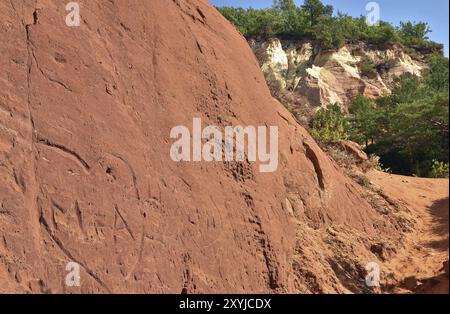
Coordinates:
434 12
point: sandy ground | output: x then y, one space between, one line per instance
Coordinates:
419 265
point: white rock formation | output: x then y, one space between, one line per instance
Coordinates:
316 78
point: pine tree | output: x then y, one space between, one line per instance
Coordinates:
316 9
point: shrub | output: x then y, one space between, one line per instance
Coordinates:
376 163
363 180
314 20
367 67
329 125
439 170
408 129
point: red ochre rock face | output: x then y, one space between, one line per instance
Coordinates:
86 174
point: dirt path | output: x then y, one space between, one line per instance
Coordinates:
419 266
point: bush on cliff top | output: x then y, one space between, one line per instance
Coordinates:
315 21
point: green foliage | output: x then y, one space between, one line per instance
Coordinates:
367 67
437 78
285 5
439 170
408 129
414 34
364 121
327 34
314 20
316 10
329 125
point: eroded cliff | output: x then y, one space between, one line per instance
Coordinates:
307 77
